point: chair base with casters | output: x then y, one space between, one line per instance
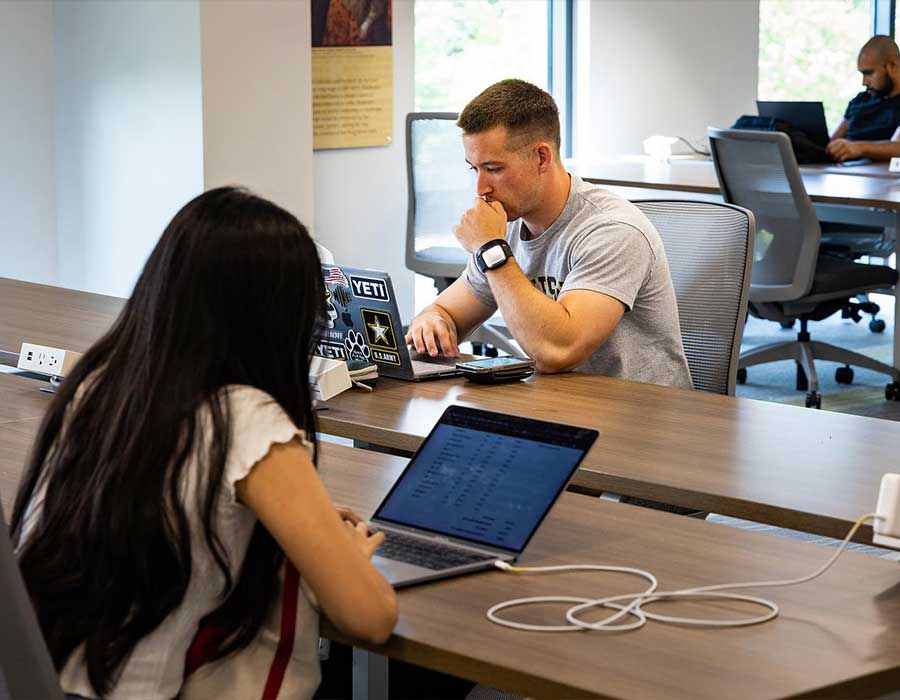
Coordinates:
805 351
831 292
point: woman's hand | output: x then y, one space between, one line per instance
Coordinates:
348 514
367 542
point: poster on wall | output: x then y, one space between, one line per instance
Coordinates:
352 73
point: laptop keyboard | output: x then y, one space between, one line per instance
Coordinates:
425 553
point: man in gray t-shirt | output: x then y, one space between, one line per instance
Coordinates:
579 273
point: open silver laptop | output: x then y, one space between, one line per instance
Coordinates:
364 324
476 491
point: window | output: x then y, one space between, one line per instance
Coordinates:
808 50
463 47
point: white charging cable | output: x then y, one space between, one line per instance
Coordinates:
632 604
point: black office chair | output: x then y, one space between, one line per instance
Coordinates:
792 277
27 670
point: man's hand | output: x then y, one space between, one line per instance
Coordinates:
842 149
433 332
484 222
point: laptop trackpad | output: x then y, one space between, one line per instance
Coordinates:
398 571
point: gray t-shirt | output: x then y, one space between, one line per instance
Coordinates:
603 243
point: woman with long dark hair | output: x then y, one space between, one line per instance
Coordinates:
175 468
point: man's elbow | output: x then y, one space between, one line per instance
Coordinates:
554 360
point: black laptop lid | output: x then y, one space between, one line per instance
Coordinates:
485 477
363 323
808 117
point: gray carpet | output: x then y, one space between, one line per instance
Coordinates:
865 396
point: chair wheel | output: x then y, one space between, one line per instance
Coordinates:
844 375
814 399
786 324
742 375
892 392
877 325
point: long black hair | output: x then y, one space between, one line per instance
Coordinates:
232 294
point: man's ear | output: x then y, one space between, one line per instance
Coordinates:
544 152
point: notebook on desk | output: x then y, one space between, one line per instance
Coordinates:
476 491
364 325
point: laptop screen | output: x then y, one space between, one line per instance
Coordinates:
486 477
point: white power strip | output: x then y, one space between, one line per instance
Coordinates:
887 525
42 359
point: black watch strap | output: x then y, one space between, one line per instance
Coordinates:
498 252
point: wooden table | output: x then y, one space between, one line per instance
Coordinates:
815 471
22 406
53 316
21 398
858 186
835 636
812 471
834 639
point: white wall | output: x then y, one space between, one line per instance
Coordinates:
360 193
257 99
128 133
27 199
667 67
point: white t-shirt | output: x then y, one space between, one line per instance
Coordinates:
155 669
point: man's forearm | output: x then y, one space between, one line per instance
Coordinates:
879 150
539 324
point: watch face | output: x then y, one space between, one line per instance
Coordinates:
493 256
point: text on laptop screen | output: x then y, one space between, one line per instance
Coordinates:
482 485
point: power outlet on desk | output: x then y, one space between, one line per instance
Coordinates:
46 360
887 527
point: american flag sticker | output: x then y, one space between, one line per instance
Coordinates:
334 275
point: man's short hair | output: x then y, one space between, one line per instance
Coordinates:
881 46
528 113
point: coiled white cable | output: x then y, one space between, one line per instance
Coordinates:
632 604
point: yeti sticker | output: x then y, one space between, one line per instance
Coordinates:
369 288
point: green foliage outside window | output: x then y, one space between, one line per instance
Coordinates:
462 46
808 50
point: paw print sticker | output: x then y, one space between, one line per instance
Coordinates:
356 347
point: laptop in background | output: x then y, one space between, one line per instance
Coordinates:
363 324
476 491
808 117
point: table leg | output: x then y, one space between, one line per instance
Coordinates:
370 675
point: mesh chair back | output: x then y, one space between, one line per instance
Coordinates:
441 188
708 246
757 170
27 671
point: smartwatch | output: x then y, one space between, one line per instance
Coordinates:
493 254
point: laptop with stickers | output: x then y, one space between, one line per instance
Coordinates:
363 324
476 491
